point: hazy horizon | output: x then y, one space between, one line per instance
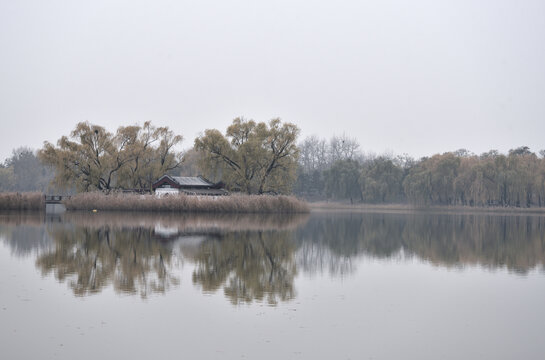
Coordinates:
420 78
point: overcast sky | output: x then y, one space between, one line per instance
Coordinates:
416 77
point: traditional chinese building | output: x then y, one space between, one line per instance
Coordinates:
197 185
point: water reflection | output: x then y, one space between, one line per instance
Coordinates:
248 265
24 233
90 259
256 257
250 257
454 240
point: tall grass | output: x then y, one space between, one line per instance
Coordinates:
22 201
187 203
186 221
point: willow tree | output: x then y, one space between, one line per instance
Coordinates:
152 154
92 158
252 157
380 181
342 180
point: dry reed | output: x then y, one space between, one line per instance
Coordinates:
187 203
22 201
187 221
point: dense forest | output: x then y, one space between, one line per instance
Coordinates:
336 170
269 158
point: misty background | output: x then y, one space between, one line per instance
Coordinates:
418 77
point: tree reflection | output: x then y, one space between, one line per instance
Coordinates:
249 265
257 257
492 241
251 257
315 258
90 259
514 242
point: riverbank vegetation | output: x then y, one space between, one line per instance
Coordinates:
406 208
22 201
268 158
338 171
186 203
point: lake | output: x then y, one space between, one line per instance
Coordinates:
329 285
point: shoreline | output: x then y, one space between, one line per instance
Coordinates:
408 208
236 203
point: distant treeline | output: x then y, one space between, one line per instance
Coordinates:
336 170
265 158
23 171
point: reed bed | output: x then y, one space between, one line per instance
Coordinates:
185 203
186 222
22 201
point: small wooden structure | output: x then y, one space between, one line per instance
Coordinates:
55 199
198 185
53 203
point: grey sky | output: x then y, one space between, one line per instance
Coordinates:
419 77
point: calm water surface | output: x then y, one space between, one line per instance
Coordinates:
320 286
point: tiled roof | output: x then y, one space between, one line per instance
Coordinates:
191 181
